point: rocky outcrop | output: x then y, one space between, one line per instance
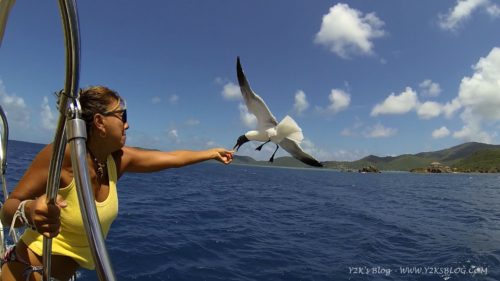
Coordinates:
369 169
434 167
479 170
442 169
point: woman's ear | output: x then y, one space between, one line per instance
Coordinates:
99 123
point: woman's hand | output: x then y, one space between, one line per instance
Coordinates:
223 155
46 217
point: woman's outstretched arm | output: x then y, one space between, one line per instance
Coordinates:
143 161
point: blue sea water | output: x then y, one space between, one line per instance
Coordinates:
214 222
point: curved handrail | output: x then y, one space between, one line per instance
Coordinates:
70 127
3 141
5 6
3 168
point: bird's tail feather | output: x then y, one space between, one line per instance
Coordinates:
288 128
297 137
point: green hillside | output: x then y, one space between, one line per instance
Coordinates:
237 159
487 160
400 163
454 154
286 161
470 157
450 157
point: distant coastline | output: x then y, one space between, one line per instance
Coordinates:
470 157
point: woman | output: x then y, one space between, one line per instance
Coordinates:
108 158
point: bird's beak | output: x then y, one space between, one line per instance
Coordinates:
236 147
241 140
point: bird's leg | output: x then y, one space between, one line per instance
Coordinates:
272 156
260 146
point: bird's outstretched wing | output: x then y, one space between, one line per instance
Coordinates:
254 103
296 151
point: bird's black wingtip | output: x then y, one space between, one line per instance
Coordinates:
316 164
238 64
239 70
312 162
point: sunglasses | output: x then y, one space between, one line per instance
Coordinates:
120 113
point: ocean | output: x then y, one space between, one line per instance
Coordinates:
215 222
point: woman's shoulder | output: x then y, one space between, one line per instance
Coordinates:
125 155
47 151
45 154
129 151
129 156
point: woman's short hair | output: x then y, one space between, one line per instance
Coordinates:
96 99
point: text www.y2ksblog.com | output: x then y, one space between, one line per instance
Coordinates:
419 270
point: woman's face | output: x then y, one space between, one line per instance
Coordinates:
115 120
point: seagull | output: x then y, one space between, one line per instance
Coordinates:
286 133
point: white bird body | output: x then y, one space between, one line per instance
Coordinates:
286 133
255 135
287 128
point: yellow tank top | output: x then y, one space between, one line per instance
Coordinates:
72 239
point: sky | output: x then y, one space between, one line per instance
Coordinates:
360 77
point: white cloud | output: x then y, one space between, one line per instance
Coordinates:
347 31
481 92
301 103
493 10
440 133
379 131
339 100
451 107
478 98
219 80
192 122
15 108
248 119
173 135
408 101
479 95
463 10
353 130
231 91
155 100
173 99
47 116
320 154
403 103
472 129
429 109
347 132
348 155
429 88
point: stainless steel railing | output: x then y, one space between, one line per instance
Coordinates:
5 6
3 168
71 129
3 151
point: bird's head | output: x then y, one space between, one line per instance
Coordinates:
241 140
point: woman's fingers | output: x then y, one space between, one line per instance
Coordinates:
46 217
49 230
60 201
225 156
